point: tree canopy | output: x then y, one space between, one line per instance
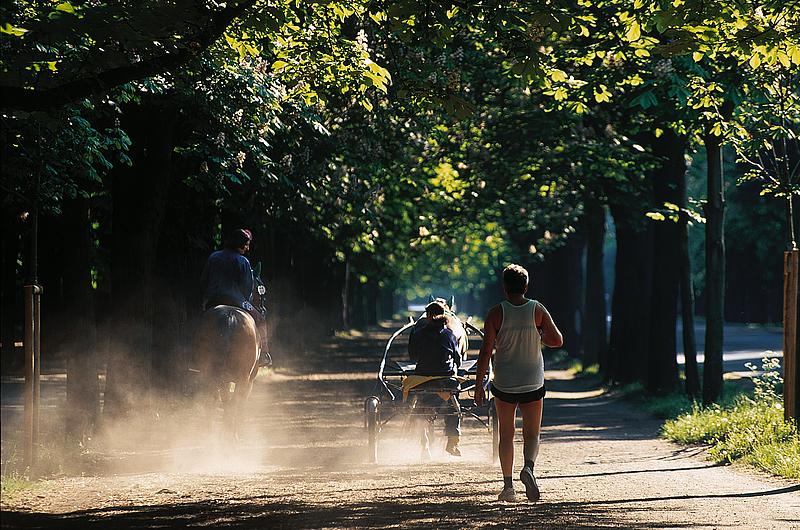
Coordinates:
396 147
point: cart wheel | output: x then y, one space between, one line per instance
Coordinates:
494 426
371 423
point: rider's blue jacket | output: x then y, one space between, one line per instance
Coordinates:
435 349
227 279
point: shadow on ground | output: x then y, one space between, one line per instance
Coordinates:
419 510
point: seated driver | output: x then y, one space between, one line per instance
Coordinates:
227 279
436 351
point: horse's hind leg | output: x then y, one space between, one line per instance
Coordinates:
227 393
240 395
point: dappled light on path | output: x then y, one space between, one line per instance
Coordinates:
302 463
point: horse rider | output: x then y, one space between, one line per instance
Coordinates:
436 351
227 279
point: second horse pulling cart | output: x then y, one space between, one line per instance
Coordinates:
390 401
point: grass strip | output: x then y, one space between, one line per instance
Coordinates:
747 426
13 483
750 430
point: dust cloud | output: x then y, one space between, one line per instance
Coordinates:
307 413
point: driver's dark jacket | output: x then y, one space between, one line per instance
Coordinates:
227 279
435 350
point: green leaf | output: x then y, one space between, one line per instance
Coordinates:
602 94
378 16
8 29
66 7
401 10
645 100
634 32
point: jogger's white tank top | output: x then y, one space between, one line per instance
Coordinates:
518 361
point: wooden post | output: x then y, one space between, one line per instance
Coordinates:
715 273
791 375
33 359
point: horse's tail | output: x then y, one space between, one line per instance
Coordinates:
226 342
225 324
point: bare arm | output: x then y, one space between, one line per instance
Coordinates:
551 336
490 328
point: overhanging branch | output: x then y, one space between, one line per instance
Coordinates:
33 99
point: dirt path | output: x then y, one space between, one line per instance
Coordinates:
301 465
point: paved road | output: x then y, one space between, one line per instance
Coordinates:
742 344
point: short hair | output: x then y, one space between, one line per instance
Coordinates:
435 308
515 279
237 238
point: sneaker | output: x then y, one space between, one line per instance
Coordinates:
531 488
452 446
507 495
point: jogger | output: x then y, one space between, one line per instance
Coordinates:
516 328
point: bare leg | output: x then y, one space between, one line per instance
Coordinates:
506 415
531 426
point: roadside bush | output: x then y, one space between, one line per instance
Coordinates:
752 428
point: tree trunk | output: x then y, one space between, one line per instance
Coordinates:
371 301
139 202
663 365
386 302
715 272
594 322
282 345
178 303
11 289
346 296
557 283
687 317
628 348
687 299
83 388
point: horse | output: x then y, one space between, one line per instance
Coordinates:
227 353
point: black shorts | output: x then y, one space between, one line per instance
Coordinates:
523 397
